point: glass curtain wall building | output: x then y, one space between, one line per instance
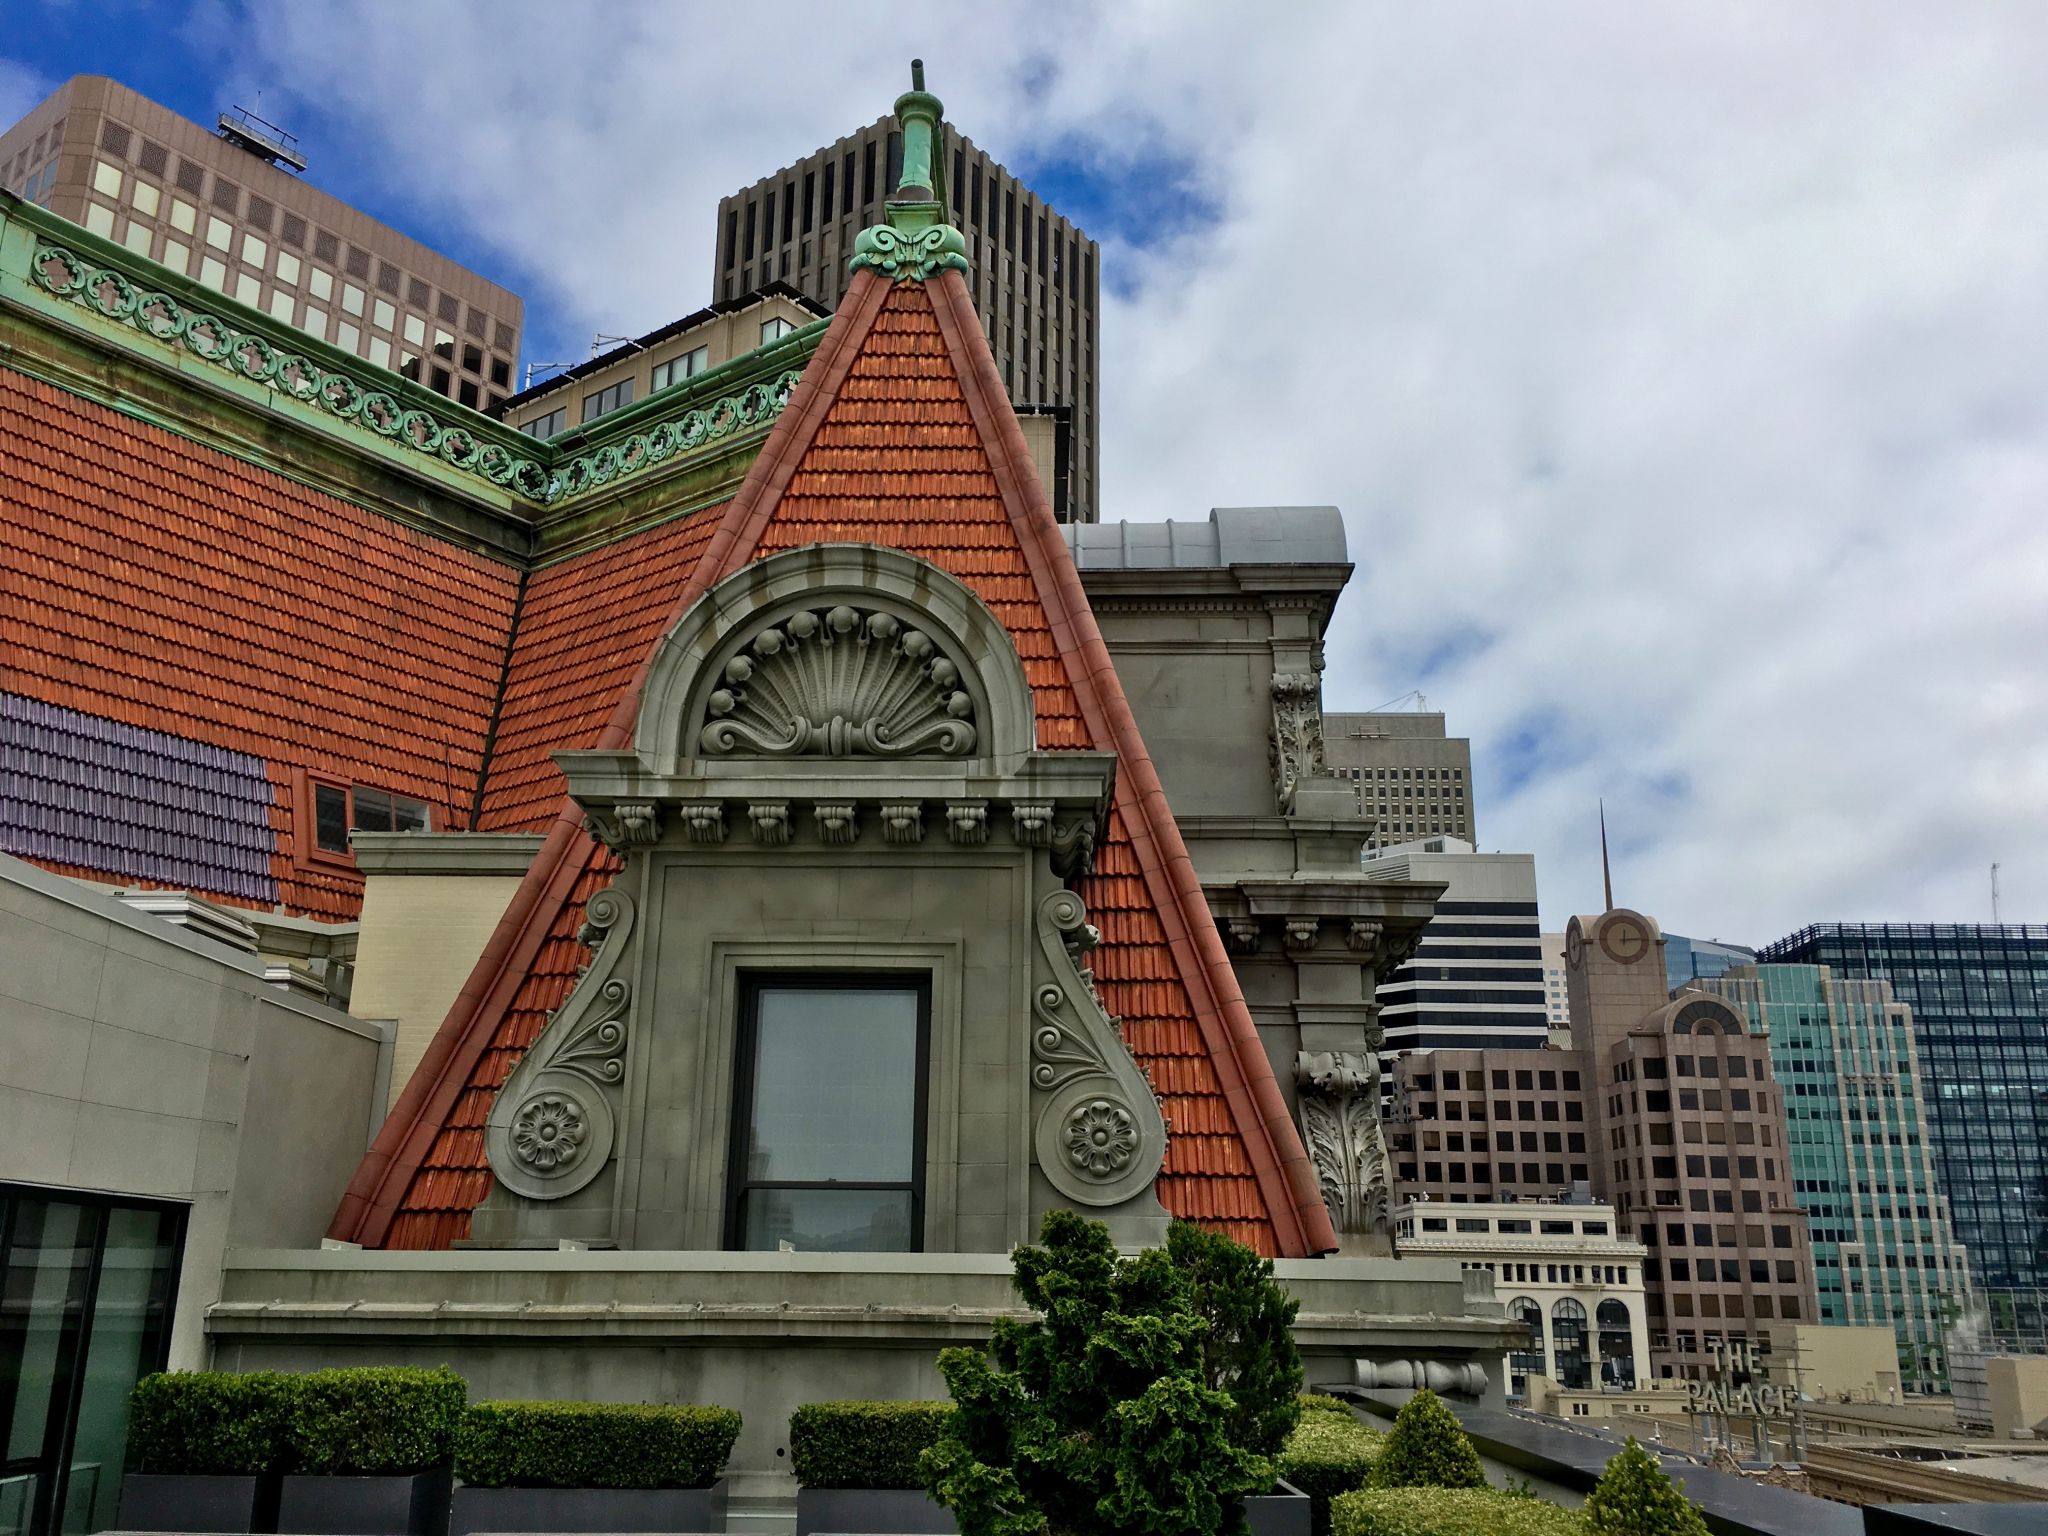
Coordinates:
1979 996
1884 1251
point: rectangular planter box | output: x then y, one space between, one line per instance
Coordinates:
589 1509
154 1501
366 1506
897 1511
1286 1511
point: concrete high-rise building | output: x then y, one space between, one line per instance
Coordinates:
222 208
1687 961
1979 996
1034 274
1476 978
1883 1248
1412 780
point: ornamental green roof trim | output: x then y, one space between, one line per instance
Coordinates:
916 241
70 275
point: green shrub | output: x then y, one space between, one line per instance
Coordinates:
1328 1454
374 1421
593 1445
1448 1512
1635 1497
1249 1349
209 1423
863 1444
1427 1449
1322 1402
1105 1413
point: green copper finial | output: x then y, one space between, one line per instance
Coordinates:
917 241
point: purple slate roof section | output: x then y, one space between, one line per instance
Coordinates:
80 790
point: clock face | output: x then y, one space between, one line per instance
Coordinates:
1624 939
1574 948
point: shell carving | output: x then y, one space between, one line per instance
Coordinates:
839 683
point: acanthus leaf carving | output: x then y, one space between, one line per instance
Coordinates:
1099 1135
842 682
1339 1094
553 1125
625 826
1295 748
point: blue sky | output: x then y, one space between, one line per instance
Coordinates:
1681 372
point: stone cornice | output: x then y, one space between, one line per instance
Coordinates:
445 853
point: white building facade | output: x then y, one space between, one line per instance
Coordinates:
1561 1270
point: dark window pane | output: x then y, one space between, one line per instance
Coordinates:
829 1220
330 817
860 1046
372 811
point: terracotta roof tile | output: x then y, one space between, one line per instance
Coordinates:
156 583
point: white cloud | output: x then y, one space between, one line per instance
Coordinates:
1681 371
21 88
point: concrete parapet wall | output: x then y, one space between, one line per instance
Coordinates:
760 1332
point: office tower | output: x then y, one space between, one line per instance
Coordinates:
1412 780
1979 996
1883 1249
1034 275
1689 961
1676 1118
1476 978
221 208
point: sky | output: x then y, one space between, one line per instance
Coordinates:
1681 371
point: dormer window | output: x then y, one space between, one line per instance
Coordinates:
341 809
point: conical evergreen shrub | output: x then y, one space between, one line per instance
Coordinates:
1635 1497
1428 1449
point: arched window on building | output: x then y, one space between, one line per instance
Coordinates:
1617 1344
1574 1359
1529 1360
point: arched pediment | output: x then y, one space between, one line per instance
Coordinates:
843 654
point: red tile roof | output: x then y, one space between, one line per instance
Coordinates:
899 435
155 582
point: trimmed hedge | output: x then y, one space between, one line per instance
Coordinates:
1427 1448
209 1423
593 1445
858 1444
375 1421
1322 1402
1329 1453
1449 1512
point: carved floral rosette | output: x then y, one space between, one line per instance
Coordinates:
1099 1135
842 682
554 1124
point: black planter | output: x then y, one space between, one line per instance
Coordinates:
366 1506
589 1509
897 1511
160 1501
1286 1511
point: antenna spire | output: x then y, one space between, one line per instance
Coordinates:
1606 870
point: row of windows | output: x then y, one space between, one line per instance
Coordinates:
1544 1078
292 229
1516 1226
1537 1175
